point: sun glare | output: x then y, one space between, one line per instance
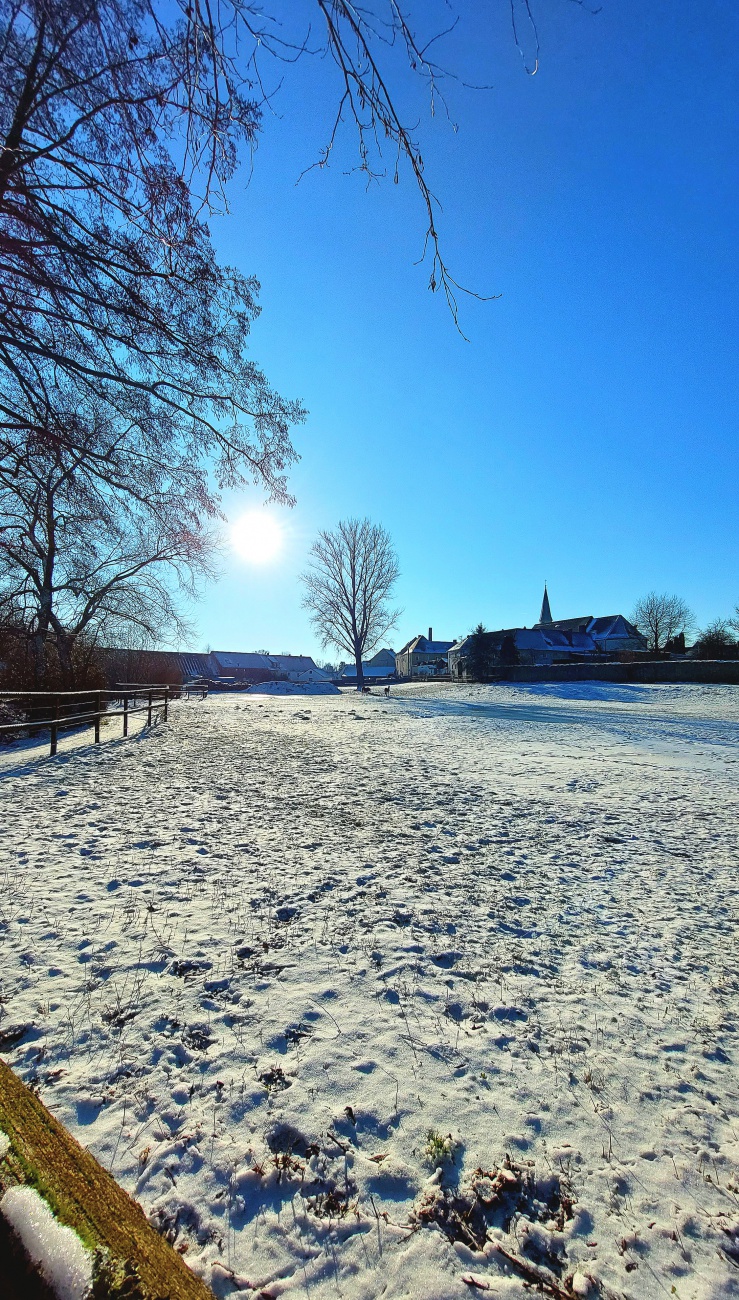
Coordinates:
257 537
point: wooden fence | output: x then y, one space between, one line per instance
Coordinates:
57 711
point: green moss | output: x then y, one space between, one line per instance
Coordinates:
132 1262
16 1167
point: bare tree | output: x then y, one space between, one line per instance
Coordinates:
716 641
348 584
660 617
120 127
121 123
118 122
82 559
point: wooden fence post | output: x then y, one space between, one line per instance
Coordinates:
125 715
97 718
166 702
149 717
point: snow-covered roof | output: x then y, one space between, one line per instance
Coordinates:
422 645
229 660
370 670
612 625
528 638
384 656
296 664
241 659
568 624
582 641
194 665
564 636
609 625
496 638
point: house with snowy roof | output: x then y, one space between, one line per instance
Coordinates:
125 665
379 668
243 666
422 656
609 634
553 641
505 646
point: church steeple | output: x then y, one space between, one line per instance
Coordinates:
546 613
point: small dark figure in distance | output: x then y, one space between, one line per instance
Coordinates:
387 692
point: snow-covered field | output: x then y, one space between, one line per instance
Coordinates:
329 982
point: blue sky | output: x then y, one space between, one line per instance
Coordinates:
586 432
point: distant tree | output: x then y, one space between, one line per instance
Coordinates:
348 585
479 654
508 653
660 617
676 644
717 641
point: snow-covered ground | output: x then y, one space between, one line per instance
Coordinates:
305 975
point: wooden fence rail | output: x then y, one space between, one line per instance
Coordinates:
60 710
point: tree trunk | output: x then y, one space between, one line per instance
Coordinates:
360 670
40 636
64 646
38 650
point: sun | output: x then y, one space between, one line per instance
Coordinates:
257 537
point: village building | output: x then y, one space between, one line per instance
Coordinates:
423 657
554 641
380 667
609 634
226 666
241 666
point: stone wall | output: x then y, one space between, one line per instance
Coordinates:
700 671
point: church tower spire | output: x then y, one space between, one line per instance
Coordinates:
546 613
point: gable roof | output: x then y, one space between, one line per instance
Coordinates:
194 665
422 645
613 625
494 638
296 664
233 659
528 638
568 624
239 659
382 657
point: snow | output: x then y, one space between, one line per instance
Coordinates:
4 1144
273 955
62 1259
